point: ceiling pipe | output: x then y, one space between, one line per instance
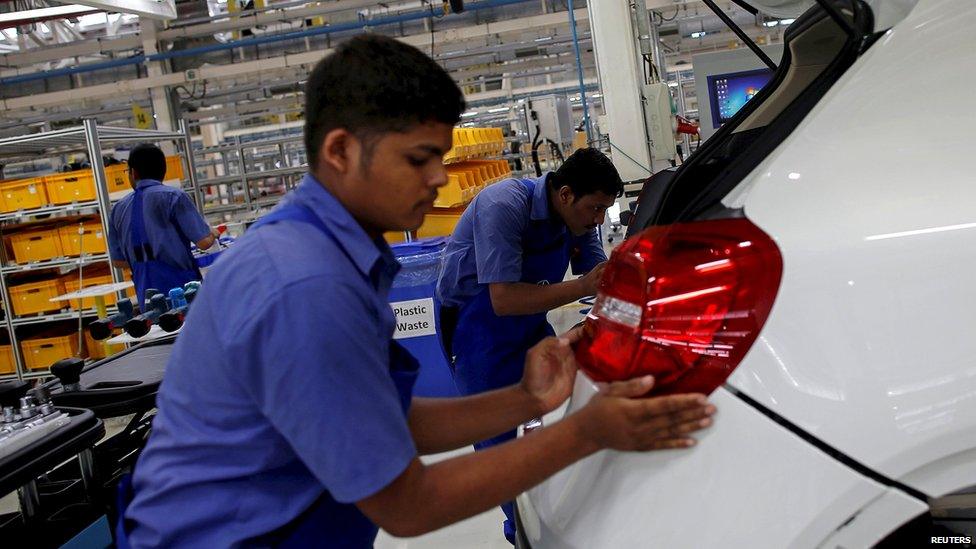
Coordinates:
247 42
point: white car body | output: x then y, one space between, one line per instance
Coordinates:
869 351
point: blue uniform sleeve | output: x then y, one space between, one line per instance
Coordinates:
323 382
114 243
190 221
590 253
499 221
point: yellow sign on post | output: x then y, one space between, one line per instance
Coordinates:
142 120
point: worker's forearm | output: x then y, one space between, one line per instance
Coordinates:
473 483
521 298
442 424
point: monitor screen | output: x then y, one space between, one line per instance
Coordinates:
729 92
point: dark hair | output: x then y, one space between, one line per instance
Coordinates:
148 161
373 84
587 171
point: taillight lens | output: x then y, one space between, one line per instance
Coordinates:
683 303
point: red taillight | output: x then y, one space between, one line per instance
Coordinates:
683 303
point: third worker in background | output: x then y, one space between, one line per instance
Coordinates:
504 270
150 230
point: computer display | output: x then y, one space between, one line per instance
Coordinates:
729 92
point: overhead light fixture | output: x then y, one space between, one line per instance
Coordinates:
543 39
469 114
770 23
786 21
499 109
597 95
698 34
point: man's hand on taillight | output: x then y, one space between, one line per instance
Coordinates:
617 418
590 282
550 370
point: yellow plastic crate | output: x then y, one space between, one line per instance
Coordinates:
35 297
393 237
117 178
96 349
452 194
36 245
174 167
7 363
71 285
440 223
41 353
78 238
23 194
65 188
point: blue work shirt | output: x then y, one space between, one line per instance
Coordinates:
278 392
487 244
167 212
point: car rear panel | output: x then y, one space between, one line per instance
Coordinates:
871 344
748 483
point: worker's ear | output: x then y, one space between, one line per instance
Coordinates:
339 149
566 195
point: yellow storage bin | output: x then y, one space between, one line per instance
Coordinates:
117 178
393 237
440 223
68 187
35 297
7 363
43 352
87 237
36 245
23 194
174 167
96 349
452 194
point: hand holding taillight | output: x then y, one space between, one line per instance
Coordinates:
590 282
617 419
550 370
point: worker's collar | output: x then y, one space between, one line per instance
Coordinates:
143 183
540 199
372 257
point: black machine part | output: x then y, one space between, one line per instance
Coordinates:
12 391
121 384
68 372
140 325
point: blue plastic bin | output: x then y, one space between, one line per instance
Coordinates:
418 322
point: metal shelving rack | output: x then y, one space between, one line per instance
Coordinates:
248 172
89 138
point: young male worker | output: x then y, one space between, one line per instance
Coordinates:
286 415
151 229
504 270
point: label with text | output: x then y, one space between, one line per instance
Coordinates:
414 318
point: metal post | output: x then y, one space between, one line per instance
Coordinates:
190 165
8 321
86 462
30 500
243 174
682 110
579 70
621 77
101 187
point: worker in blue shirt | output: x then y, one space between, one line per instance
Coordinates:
504 269
150 230
286 415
